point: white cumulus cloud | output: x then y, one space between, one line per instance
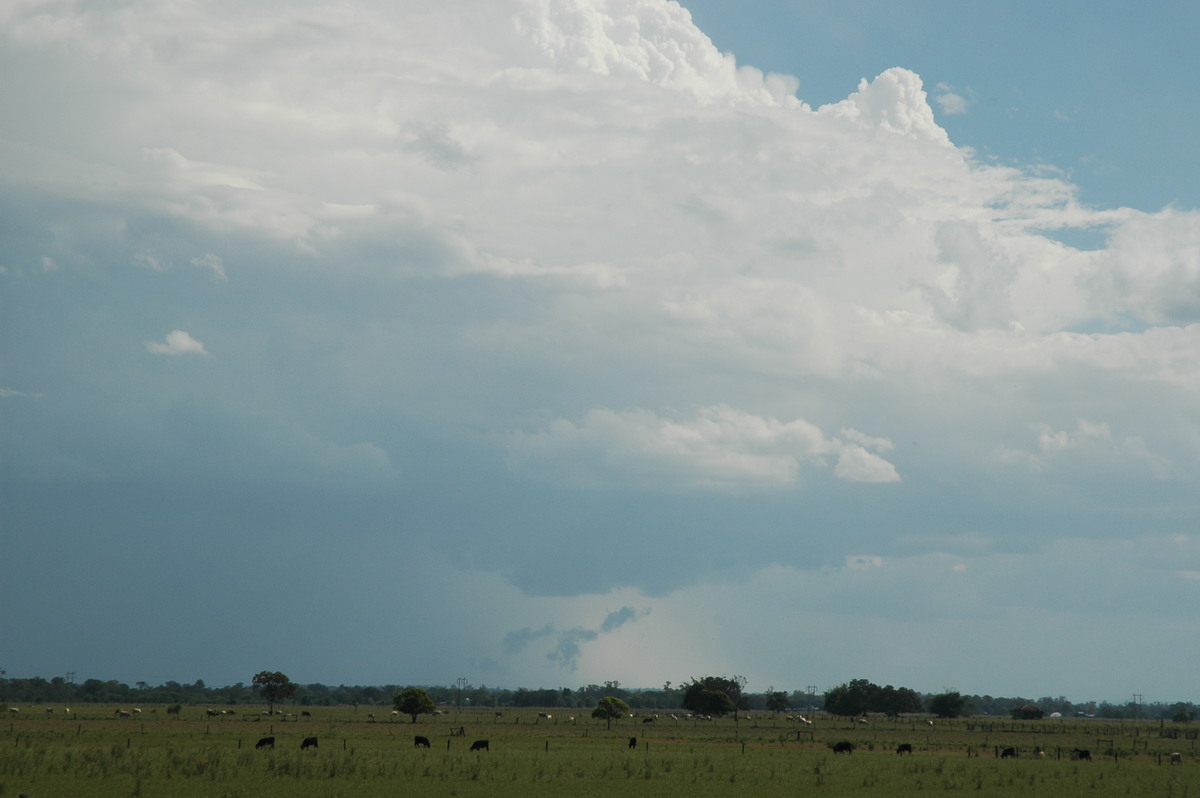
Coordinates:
951 102
717 448
178 342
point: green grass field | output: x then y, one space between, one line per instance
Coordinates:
93 752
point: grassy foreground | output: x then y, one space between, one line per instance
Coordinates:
94 752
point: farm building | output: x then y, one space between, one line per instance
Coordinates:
1027 712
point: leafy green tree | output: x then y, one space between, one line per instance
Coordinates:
860 696
777 701
714 695
609 709
896 701
949 704
271 685
414 701
855 698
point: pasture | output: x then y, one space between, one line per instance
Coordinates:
98 752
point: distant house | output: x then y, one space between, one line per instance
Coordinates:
1027 712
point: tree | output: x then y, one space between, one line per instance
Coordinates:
714 695
897 701
777 701
414 701
610 708
856 698
273 686
949 704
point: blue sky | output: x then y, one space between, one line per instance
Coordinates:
1099 90
551 343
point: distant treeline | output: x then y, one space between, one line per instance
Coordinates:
60 691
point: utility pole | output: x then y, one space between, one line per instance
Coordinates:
812 698
1137 699
461 681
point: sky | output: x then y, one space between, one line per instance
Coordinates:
544 343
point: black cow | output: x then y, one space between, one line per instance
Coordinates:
633 742
1081 753
1008 753
843 747
420 742
480 745
306 714
904 748
309 742
266 742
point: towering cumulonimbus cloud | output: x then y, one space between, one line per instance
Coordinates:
554 303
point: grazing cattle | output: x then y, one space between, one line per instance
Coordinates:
844 747
266 742
212 713
309 742
904 748
1008 753
137 711
929 722
1081 753
50 710
174 709
307 714
633 742
544 716
395 713
371 717
647 720
480 745
1176 758
862 720
124 713
420 742
14 710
